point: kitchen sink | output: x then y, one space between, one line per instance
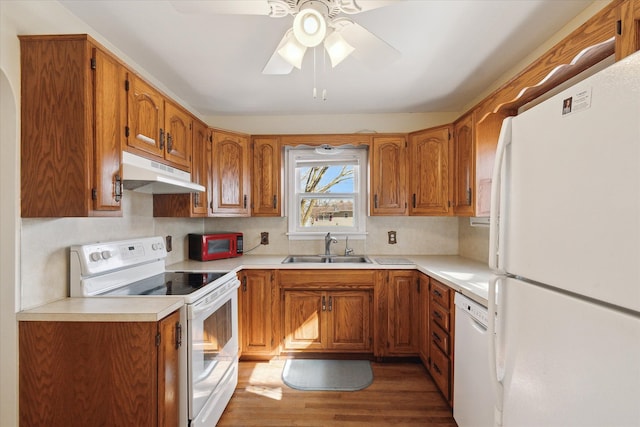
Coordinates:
326 259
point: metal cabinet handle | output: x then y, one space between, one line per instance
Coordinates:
161 139
245 201
414 200
375 201
117 188
275 201
330 303
436 314
469 196
178 335
324 304
169 142
437 337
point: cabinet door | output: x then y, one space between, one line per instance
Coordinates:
110 108
145 118
259 323
403 324
199 167
349 320
304 320
169 329
628 37
429 172
265 178
99 373
389 176
464 171
230 175
178 127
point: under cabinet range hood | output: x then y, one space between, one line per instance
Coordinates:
149 176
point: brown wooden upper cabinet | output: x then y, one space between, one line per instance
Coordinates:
628 28
230 182
464 170
70 171
388 195
156 127
266 177
430 172
190 204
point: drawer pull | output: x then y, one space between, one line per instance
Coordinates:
438 315
435 367
437 337
437 293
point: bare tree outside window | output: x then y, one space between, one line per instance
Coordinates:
322 180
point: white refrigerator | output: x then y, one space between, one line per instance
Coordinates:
565 247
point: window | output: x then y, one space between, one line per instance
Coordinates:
326 191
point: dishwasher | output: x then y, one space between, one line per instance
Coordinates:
473 392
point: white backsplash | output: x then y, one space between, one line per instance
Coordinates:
415 236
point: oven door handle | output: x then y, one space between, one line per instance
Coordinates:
215 303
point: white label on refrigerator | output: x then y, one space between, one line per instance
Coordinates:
577 102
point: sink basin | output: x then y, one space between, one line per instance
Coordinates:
295 259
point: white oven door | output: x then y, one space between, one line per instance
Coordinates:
213 344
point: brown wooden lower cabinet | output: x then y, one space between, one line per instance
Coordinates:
441 336
403 318
99 373
327 310
259 314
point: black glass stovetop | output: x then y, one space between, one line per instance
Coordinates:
168 283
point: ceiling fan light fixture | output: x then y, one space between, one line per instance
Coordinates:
293 52
337 48
309 27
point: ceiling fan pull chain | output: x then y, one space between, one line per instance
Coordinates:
315 92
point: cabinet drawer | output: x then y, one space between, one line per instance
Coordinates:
440 293
440 365
440 338
441 317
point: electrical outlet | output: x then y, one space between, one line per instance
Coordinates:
264 238
392 237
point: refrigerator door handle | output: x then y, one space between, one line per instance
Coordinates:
496 377
494 219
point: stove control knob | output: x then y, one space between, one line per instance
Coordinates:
106 254
156 246
95 256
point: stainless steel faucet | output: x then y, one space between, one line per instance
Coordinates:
328 239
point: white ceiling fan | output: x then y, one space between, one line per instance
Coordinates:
315 22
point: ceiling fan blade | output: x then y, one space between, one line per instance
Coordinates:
369 48
356 6
223 7
277 64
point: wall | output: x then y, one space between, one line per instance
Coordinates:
343 123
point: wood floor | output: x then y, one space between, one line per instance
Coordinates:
402 394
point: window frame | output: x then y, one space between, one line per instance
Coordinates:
352 155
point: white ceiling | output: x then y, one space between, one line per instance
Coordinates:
451 50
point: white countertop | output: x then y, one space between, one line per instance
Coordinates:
466 276
104 309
